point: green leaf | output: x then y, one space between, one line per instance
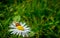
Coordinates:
17 18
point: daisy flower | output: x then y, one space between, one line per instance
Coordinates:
19 29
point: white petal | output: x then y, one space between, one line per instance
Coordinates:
13 23
11 26
13 30
23 34
22 23
19 33
25 26
26 35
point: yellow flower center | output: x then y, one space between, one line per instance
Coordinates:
20 28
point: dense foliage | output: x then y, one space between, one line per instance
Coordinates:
42 16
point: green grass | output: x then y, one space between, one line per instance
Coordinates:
42 16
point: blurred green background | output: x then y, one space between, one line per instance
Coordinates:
42 16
